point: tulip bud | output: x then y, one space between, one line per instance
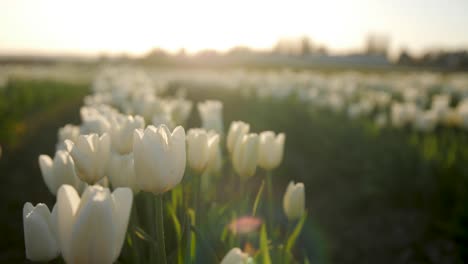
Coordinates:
236 131
92 229
197 149
59 171
270 152
121 171
294 200
95 124
91 154
245 155
160 158
39 235
121 133
211 114
70 132
235 256
215 160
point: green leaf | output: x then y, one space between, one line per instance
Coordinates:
257 198
297 230
205 243
141 234
264 246
176 222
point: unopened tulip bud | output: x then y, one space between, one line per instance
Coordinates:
39 234
271 148
121 133
197 149
90 154
92 229
215 160
236 132
245 155
211 114
294 200
60 170
121 171
160 158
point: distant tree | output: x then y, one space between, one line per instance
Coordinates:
306 46
377 44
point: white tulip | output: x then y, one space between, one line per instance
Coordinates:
121 171
95 124
236 132
197 149
211 114
70 132
270 152
179 110
121 132
425 121
163 118
60 170
215 160
235 256
39 233
91 154
92 229
294 200
160 158
245 155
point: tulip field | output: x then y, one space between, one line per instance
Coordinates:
166 165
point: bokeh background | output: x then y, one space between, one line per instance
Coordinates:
374 194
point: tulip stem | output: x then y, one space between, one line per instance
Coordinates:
270 197
160 229
150 208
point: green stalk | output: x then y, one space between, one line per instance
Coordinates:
133 224
150 223
160 229
270 198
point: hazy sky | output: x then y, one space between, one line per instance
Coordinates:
112 26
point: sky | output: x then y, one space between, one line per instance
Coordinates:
91 27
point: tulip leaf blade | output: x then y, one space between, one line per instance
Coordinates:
205 243
257 198
295 234
141 234
265 253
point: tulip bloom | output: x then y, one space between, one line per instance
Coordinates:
236 132
294 200
211 114
200 148
245 155
121 132
70 132
160 158
235 256
121 171
92 229
39 233
270 151
215 160
91 154
60 170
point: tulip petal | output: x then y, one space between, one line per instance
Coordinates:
93 237
123 199
67 205
45 164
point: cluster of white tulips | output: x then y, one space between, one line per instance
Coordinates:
421 101
117 173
